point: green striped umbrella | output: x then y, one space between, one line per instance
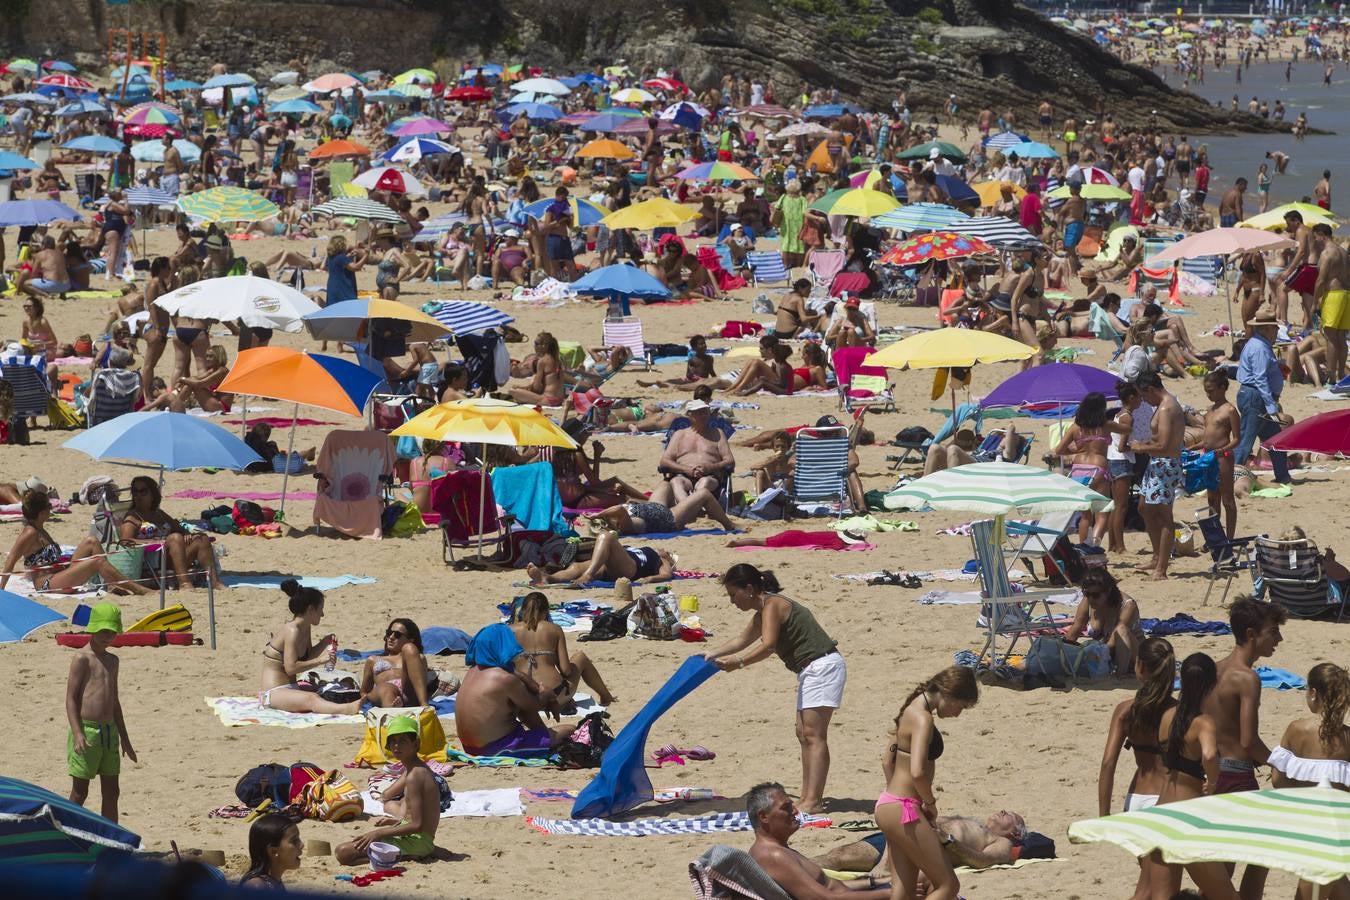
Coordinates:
228 204
1302 830
357 208
997 489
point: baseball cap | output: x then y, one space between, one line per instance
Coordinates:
826 421
934 153
34 484
737 226
695 405
105 617
853 301
400 725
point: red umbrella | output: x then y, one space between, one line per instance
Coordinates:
469 94
62 80
1327 433
666 84
935 245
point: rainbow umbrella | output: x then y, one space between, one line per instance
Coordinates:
935 245
717 171
228 204
151 114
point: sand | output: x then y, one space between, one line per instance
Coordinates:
1035 752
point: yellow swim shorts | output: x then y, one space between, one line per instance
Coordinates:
1336 310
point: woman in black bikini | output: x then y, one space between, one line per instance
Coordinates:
47 566
558 672
274 848
610 560
792 314
191 337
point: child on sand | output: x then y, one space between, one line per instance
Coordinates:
414 802
97 731
1221 436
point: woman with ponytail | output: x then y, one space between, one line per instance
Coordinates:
291 650
785 628
1134 726
1317 748
906 811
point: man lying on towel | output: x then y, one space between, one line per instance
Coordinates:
497 708
774 819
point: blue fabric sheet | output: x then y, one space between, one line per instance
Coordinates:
493 646
437 640
692 532
1181 623
528 492
319 583
1271 677
622 781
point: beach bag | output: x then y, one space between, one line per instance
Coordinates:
586 746
265 782
95 488
327 796
292 464
408 522
62 415
1183 544
655 617
430 734
1070 562
609 625
129 561
1055 658
914 434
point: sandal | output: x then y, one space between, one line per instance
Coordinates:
667 754
698 752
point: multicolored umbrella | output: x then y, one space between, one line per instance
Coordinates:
468 317
922 217
997 489
228 204
1004 140
635 127
766 111
1002 233
935 245
351 320
39 828
802 129
1303 830
415 76
387 178
413 149
151 114
604 148
1094 175
62 80
856 202
716 171
666 84
584 212
357 208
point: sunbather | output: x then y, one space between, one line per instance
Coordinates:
549 663
399 676
47 566
961 451
610 560
291 650
578 485
145 522
497 709
1107 614
996 841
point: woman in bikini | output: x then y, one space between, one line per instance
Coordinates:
578 485
48 567
191 337
201 390
1002 299
792 316
610 560
1134 727
399 676
291 650
145 522
906 811
774 377
1107 614
476 207
643 516
549 663
546 386
432 464
1085 443
1028 299
1190 745
156 333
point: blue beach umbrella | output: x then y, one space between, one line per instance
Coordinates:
1031 150
296 107
535 112
827 110
1005 139
584 212
620 283
20 617
94 143
956 189
81 107
182 84
608 121
33 212
168 440
14 162
414 148
232 80
153 151
118 73
58 65
29 97
38 827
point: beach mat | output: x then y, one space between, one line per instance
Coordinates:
199 494
483 803
237 711
318 582
708 824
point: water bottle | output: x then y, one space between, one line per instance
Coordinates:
332 656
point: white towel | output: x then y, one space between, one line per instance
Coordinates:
493 802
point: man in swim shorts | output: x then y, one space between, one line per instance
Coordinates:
1333 292
413 803
1071 217
497 709
1301 275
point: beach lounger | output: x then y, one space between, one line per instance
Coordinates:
820 467
766 267
1005 614
1228 556
355 470
860 384
468 509
625 331
1290 573
725 872
920 448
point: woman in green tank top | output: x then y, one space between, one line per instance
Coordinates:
783 627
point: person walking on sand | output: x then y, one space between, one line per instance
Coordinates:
98 734
1332 294
1162 480
783 627
1261 381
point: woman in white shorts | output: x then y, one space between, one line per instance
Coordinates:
783 627
1134 726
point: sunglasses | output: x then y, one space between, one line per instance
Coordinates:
403 635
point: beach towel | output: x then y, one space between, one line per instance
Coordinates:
622 781
530 494
959 598
1181 623
713 822
459 757
237 711
1279 679
318 582
492 802
692 532
872 523
795 539
680 575
353 463
199 494
1277 492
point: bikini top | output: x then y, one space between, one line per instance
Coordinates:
44 557
1153 749
935 746
1313 771
1185 765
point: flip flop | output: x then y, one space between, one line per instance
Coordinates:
698 752
667 754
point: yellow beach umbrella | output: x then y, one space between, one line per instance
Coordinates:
658 212
604 148
991 192
948 348
1307 209
1091 192
1273 220
425 76
856 202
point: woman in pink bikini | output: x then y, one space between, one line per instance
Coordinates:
907 809
1085 443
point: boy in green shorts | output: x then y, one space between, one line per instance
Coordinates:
414 802
98 734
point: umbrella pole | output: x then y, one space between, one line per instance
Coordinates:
286 470
243 419
1228 288
482 498
163 551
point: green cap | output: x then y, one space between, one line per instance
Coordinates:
400 725
105 617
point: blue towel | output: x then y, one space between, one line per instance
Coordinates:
444 706
622 781
437 640
610 584
1181 623
319 583
493 646
530 494
667 535
1280 679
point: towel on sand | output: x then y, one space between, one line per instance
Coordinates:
492 802
318 582
437 640
199 494
1181 623
234 711
706 824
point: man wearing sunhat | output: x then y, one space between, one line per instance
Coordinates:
413 803
1260 383
98 733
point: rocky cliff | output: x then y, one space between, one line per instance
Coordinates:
985 51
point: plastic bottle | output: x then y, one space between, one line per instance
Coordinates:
332 656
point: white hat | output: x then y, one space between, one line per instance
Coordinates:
34 484
695 405
1184 194
934 153
511 232
737 226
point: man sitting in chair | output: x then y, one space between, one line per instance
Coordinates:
698 456
966 448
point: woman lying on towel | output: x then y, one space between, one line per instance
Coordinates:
610 561
48 568
399 676
549 663
291 650
146 522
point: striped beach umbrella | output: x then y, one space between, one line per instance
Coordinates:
357 208
997 489
1002 232
765 111
148 196
228 204
716 171
1303 830
1005 139
38 827
153 151
468 317
413 149
922 217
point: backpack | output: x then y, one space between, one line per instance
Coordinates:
327 796
914 434
1069 559
609 625
246 513
265 782
586 746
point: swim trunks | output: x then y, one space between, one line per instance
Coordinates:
47 286
521 742
413 846
1236 775
1073 233
1161 482
1336 310
1304 279
559 247
102 753
1227 221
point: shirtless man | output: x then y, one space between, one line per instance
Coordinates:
1185 156
1131 255
1046 113
497 709
1162 479
171 174
996 841
1234 706
1301 274
774 820
49 274
1071 217
1230 204
1221 433
412 804
699 455
1322 190
1331 292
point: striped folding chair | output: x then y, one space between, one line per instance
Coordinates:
820 466
625 331
113 393
824 265
30 389
1004 613
1290 573
766 267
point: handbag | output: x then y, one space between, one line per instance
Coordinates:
430 734
1055 657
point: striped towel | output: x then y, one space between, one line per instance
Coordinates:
713 822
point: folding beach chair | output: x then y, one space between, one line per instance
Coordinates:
529 495
724 257
766 267
340 175
355 471
1102 324
625 331
725 873
1004 613
30 388
468 509
1228 556
1290 573
820 467
112 392
1037 539
824 265
860 384
920 448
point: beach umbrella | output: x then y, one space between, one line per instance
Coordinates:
351 320
20 617
44 832
333 81
957 191
1303 830
228 204
668 85
57 65
232 80
1093 175
390 96
468 317
469 94
944 149
1004 234
934 245
1102 192
1304 209
421 125
1059 383
94 143
14 162
827 111
922 217
946 349
82 107
151 114
656 212
1327 433
541 86
415 76
856 202
338 148
64 80
716 171
802 129
357 208
326 382
296 107
486 421
1005 140
131 71
870 177
535 112
765 111
1031 150
239 96
34 212
29 97
1273 220
609 120
413 149
632 95
285 78
258 302
153 151
604 148
1218 242
580 117
635 127
584 212
620 283
997 489
387 178
22 64
991 192
685 114
148 196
